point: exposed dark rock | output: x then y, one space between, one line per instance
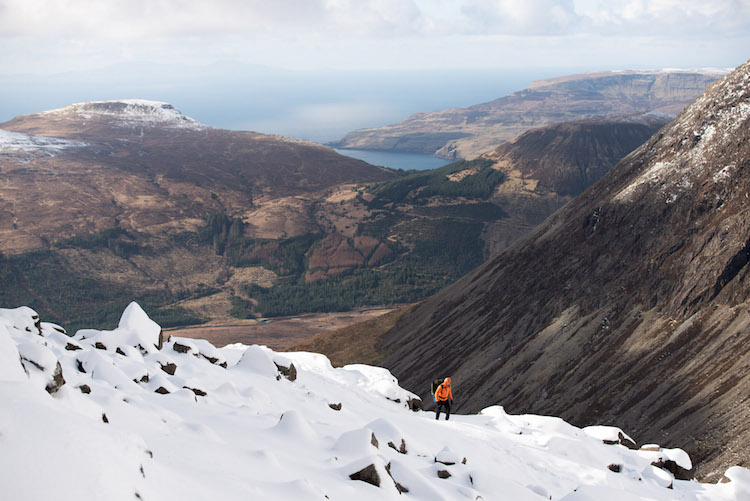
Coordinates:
374 441
104 418
169 368
443 474
626 441
401 449
57 328
162 390
213 360
617 468
415 404
180 348
99 346
23 359
72 347
119 351
57 380
368 474
37 323
288 372
336 407
86 389
79 366
401 489
198 392
678 471
163 338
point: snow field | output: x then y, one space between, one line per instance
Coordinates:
29 143
193 422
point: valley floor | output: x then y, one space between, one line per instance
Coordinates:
278 333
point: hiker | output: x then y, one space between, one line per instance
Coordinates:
444 398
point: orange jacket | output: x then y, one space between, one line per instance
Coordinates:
444 392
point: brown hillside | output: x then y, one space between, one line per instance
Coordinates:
469 132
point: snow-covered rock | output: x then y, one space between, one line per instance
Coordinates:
131 113
124 427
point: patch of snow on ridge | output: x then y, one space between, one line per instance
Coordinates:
193 422
18 141
132 112
691 146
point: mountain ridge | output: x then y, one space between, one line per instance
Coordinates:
632 296
468 132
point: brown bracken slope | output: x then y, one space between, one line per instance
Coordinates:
630 306
144 166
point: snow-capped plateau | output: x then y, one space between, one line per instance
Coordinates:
130 112
126 414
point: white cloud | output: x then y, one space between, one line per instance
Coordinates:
527 17
35 34
132 19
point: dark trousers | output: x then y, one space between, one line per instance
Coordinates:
446 404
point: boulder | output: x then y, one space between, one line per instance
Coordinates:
401 449
57 380
367 474
675 469
290 373
169 368
180 348
415 404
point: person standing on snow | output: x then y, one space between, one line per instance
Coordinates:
444 398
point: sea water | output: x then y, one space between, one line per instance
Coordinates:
396 160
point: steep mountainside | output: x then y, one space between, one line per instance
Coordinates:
469 132
629 305
569 157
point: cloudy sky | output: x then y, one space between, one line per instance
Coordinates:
44 36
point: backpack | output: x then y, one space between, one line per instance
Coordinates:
434 386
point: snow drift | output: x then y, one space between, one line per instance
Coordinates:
108 415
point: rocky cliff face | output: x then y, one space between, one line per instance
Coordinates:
469 132
629 305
